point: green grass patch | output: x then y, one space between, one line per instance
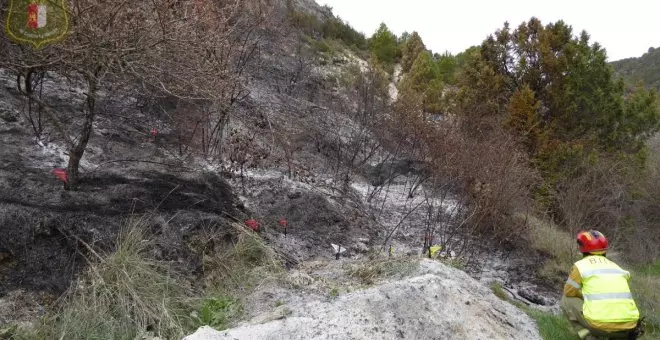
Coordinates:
498 290
559 244
218 312
13 332
321 45
551 326
330 47
652 269
457 263
556 327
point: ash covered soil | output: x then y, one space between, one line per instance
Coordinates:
48 232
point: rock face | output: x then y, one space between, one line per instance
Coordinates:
438 303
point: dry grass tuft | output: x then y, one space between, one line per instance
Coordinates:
645 285
548 238
238 269
371 271
125 295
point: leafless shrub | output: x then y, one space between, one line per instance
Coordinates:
594 199
288 82
348 140
31 83
608 197
197 51
370 89
243 152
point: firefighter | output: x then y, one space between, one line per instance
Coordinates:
597 298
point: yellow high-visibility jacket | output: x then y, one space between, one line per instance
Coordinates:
603 285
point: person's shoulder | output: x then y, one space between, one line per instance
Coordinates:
582 260
614 263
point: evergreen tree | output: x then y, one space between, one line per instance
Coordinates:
559 97
577 94
383 45
425 80
412 47
446 66
524 118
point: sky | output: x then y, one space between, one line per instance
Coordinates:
625 28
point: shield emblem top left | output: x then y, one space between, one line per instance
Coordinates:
37 22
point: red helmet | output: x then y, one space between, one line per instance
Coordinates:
592 241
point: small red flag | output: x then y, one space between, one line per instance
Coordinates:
61 174
283 222
154 132
252 224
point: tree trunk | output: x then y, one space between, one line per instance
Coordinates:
72 170
77 151
219 135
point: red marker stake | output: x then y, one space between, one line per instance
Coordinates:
283 223
61 174
252 224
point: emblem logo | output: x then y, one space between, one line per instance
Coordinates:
37 22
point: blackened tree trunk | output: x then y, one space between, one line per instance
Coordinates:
77 149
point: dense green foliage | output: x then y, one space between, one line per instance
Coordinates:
446 67
644 70
557 92
425 74
336 28
427 79
412 46
462 58
584 134
383 44
563 85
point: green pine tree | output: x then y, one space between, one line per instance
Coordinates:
383 44
412 47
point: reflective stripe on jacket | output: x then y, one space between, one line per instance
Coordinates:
607 297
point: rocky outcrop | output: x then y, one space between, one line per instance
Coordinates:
439 302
